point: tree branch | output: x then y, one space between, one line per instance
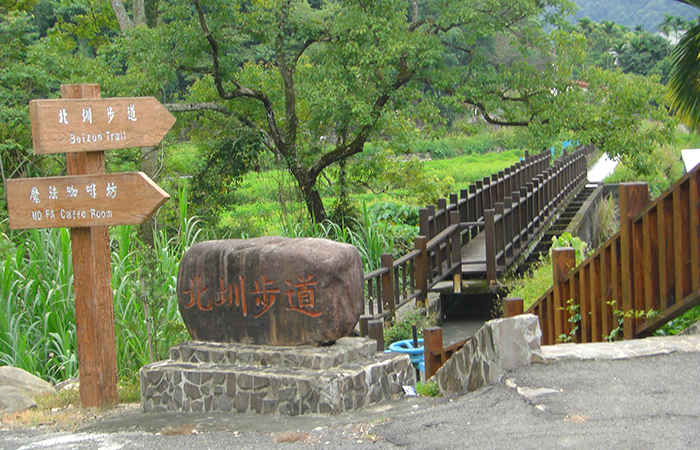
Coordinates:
404 76
197 106
211 106
240 90
122 16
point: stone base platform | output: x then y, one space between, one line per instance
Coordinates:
237 378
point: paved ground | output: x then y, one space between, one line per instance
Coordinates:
593 396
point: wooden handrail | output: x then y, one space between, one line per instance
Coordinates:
511 225
449 225
651 265
434 354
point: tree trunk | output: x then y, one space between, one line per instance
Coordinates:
149 166
151 12
314 204
312 198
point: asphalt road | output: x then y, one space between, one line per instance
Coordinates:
641 403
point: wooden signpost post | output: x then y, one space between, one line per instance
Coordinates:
88 201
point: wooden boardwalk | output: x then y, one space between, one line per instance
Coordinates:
479 232
473 256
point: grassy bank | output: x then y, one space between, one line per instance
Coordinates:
267 202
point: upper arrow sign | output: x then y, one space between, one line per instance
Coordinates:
83 200
63 126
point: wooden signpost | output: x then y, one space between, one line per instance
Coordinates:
68 126
83 201
87 200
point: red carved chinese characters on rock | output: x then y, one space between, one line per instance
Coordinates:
301 296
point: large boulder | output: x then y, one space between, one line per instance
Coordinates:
271 291
18 389
13 399
24 381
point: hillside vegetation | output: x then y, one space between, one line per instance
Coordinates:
630 13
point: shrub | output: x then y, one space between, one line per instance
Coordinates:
607 220
438 149
404 329
535 283
393 213
428 389
532 285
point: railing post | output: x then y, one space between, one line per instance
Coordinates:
431 223
488 194
495 184
442 210
432 349
508 180
456 251
454 199
464 212
364 324
474 214
532 206
479 199
633 198
512 307
558 186
508 226
376 332
490 238
517 223
543 184
423 226
525 217
563 261
421 244
387 261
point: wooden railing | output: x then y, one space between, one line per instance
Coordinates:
479 197
515 221
399 281
651 265
537 190
435 355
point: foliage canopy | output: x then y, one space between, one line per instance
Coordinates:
312 82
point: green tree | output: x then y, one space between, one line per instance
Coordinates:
315 82
312 83
622 114
643 53
683 86
25 73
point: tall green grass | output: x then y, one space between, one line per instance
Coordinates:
37 318
370 238
37 303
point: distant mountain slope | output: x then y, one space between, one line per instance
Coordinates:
647 13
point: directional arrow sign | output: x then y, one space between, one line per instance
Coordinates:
62 126
83 201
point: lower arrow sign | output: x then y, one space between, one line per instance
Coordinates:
83 201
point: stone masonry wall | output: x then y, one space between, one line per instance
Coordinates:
273 380
501 345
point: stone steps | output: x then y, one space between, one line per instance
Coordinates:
557 228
